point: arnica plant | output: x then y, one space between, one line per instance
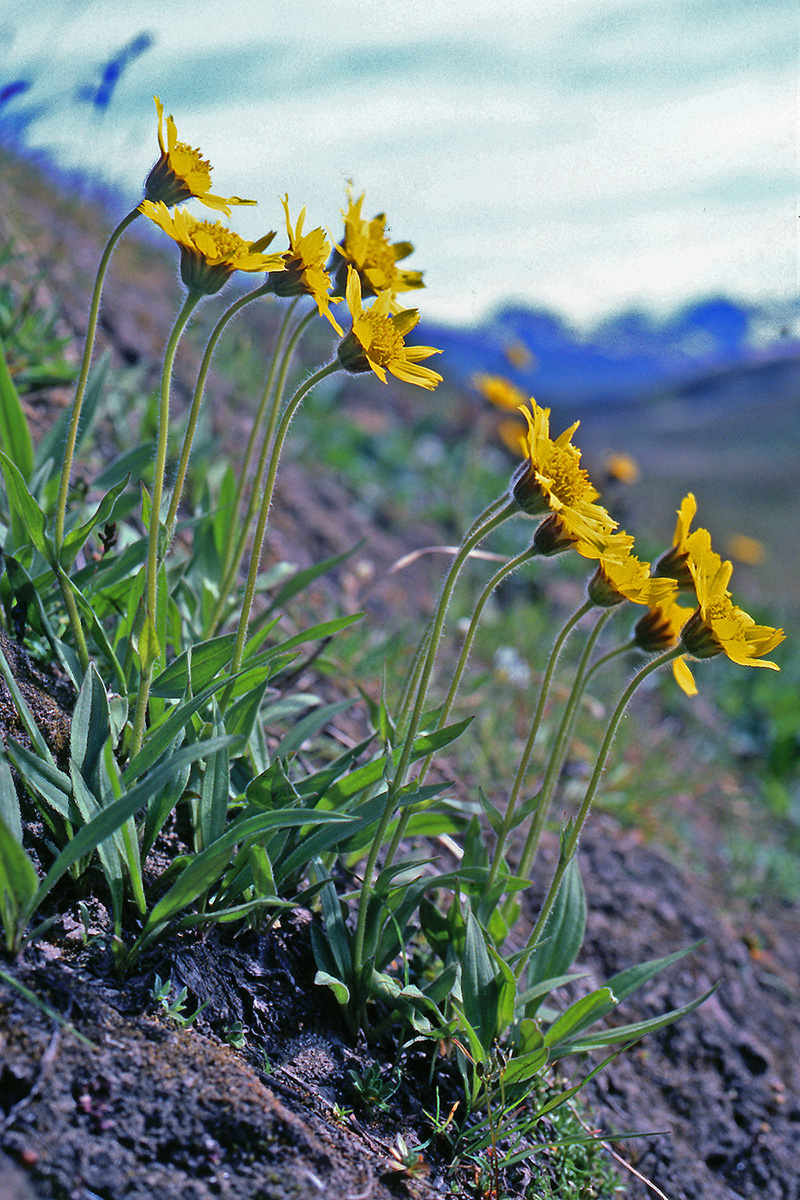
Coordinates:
155 613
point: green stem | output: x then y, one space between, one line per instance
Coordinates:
506 569
519 778
558 752
240 545
86 362
194 412
152 651
266 501
570 843
412 680
490 519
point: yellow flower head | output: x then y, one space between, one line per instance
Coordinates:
366 247
210 252
377 340
622 576
500 392
675 563
659 629
181 173
718 626
303 272
620 468
551 479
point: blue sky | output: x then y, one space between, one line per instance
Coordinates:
586 157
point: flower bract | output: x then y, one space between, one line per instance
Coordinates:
377 340
210 252
303 272
181 173
659 629
719 626
366 247
551 479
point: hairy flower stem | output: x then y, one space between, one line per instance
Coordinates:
197 399
507 569
490 519
149 649
261 525
412 680
570 843
72 433
519 778
559 748
239 546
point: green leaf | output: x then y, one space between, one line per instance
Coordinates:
54 443
42 776
9 801
213 807
25 509
15 438
479 988
77 537
107 850
148 646
580 1014
208 659
303 578
339 989
18 883
562 936
307 726
91 724
626 1033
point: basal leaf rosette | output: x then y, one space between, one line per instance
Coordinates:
377 340
210 252
181 173
366 247
551 480
303 268
719 626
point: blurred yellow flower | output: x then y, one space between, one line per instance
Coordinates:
303 272
551 479
747 550
620 468
366 247
519 355
210 252
675 563
181 173
500 392
377 340
718 626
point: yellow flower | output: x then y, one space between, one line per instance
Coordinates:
747 550
303 272
622 576
659 629
621 468
377 340
210 252
718 626
551 479
366 247
500 392
675 563
181 173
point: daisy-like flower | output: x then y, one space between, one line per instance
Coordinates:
182 173
719 626
303 271
377 340
675 563
210 252
551 480
366 247
658 630
622 576
500 392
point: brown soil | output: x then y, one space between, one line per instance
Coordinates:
150 1109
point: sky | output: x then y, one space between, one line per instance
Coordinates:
585 156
